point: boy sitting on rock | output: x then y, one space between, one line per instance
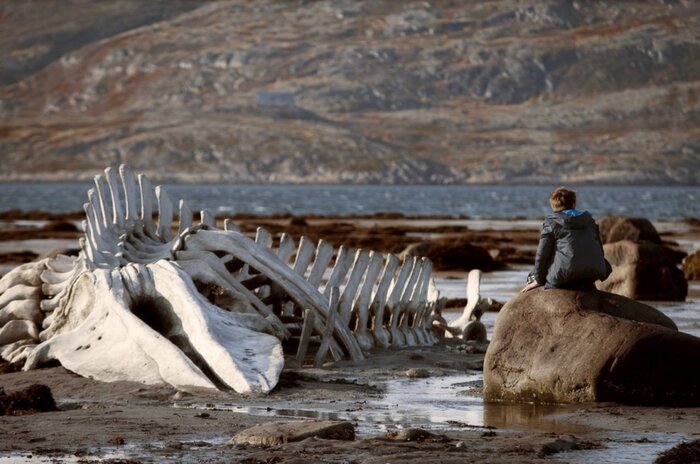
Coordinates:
570 253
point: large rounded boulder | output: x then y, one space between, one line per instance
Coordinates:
644 271
453 254
566 346
617 228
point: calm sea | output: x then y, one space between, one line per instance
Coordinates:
491 201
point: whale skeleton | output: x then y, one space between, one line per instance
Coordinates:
154 300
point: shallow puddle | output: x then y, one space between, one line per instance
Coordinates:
439 403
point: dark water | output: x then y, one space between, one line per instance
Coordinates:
477 201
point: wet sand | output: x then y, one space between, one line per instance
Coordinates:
129 422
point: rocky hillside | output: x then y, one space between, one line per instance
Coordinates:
352 91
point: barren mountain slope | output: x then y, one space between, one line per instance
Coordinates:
352 91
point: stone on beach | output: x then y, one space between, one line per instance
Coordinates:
644 271
617 228
277 433
33 399
643 268
416 435
450 254
417 373
567 346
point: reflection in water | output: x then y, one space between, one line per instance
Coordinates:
436 403
530 416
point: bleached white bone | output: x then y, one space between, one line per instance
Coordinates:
229 225
263 238
117 210
333 315
286 247
165 215
27 309
206 218
185 217
53 277
382 337
405 302
18 330
474 307
343 263
51 303
146 191
21 353
395 305
25 274
324 254
207 268
424 306
92 334
20 292
304 254
359 266
265 261
8 350
101 189
306 331
254 283
362 302
61 264
129 183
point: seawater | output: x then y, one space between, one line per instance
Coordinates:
503 285
476 201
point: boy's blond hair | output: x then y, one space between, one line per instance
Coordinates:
562 198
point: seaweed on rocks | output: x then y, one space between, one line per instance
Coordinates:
33 399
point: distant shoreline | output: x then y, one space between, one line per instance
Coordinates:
166 182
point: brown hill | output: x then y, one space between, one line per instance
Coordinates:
352 91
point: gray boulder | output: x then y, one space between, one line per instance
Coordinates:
644 271
565 346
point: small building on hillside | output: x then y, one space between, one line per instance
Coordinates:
276 98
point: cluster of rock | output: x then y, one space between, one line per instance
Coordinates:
644 268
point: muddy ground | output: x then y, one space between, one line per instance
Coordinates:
129 422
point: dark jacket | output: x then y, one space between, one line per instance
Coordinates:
570 250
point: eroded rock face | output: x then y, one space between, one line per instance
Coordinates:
616 228
644 271
567 346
